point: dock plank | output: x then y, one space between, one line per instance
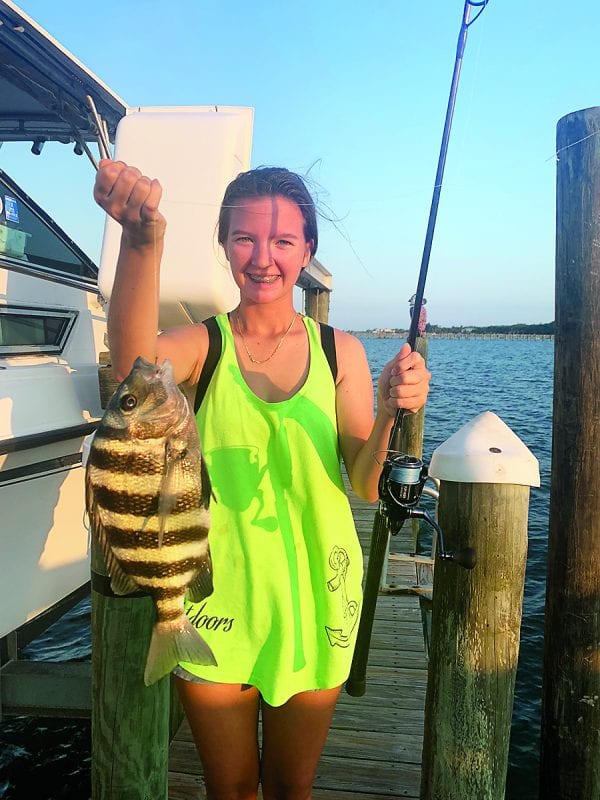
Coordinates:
373 751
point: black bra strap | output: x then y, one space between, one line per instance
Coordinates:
328 344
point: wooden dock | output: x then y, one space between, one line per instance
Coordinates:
373 751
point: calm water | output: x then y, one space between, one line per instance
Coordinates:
513 379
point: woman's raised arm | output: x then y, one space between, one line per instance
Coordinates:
133 200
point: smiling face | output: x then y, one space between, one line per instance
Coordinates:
266 247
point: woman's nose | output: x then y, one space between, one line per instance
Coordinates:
261 255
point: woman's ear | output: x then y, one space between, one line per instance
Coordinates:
307 254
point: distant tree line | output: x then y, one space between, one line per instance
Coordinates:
540 329
518 329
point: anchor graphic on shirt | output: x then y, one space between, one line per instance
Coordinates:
339 562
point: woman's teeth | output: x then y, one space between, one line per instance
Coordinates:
263 278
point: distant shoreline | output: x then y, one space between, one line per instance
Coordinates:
516 330
473 335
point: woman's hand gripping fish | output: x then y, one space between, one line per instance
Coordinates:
147 495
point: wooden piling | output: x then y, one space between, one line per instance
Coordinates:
475 642
130 721
316 304
486 473
570 746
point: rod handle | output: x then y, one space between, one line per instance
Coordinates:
356 683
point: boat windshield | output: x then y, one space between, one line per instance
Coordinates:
29 236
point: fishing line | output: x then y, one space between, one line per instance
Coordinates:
155 267
555 155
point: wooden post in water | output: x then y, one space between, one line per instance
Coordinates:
130 721
570 747
485 474
316 304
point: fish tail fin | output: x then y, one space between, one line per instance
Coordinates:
171 643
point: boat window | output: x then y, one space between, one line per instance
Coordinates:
30 236
26 330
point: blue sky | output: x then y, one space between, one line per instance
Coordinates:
357 93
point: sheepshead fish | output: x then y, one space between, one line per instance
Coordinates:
147 496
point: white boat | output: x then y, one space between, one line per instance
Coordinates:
52 326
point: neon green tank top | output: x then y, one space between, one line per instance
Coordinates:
287 563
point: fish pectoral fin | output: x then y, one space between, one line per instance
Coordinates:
170 487
202 585
207 492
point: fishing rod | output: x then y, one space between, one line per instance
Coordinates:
403 476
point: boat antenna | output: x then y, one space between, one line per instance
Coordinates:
385 522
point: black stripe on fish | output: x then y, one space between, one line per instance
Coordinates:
157 571
161 591
128 538
167 614
137 462
108 432
141 505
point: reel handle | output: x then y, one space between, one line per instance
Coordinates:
466 558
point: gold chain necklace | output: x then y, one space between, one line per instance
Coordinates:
277 346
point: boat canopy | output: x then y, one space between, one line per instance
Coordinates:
44 88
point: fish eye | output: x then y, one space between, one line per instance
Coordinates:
128 402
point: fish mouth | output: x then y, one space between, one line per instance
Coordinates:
152 369
159 378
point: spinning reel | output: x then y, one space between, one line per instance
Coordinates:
400 487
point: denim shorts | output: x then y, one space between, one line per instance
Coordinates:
189 676
183 673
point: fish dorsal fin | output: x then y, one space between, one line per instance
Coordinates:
120 583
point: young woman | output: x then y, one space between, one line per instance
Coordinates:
287 565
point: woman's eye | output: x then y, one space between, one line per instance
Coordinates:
284 243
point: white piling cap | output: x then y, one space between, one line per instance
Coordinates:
485 450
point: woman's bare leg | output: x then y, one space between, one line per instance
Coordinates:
224 722
293 738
